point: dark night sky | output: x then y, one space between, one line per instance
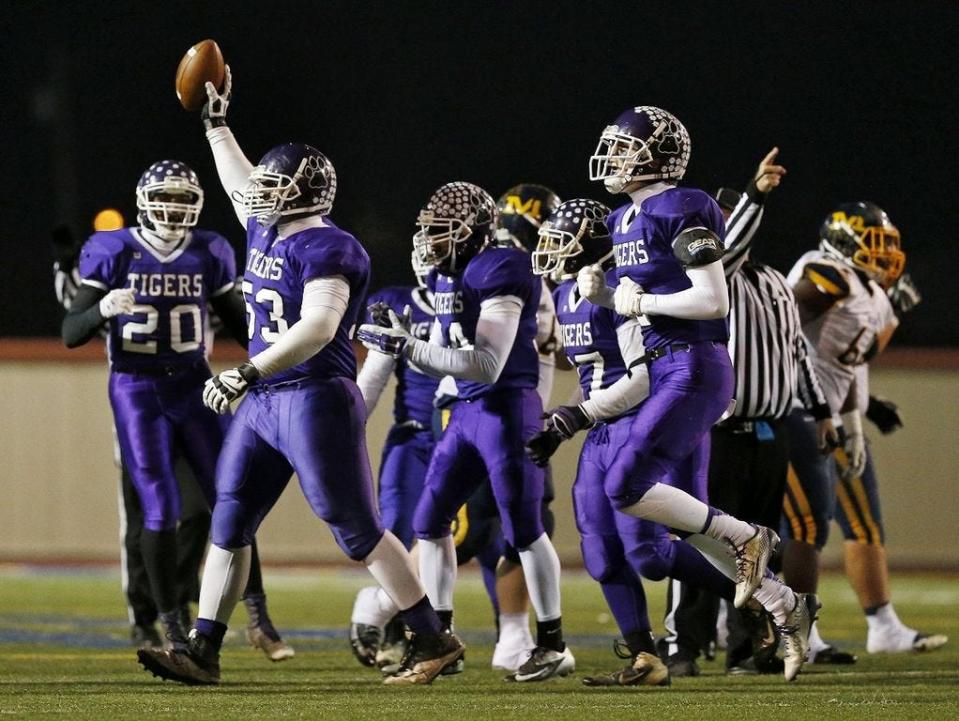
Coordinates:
860 97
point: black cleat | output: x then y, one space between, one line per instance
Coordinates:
145 636
198 664
544 663
426 658
365 642
830 655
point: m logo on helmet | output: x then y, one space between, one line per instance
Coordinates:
533 207
855 222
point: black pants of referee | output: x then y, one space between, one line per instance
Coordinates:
748 464
193 533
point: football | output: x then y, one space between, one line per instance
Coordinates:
201 64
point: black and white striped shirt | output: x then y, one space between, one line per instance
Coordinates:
770 357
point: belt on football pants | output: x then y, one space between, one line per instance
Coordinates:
656 354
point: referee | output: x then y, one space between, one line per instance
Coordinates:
750 451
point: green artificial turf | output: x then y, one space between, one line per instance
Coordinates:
63 655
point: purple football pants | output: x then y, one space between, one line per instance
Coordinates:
153 415
689 392
406 457
316 428
486 438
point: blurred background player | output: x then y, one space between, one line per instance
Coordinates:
304 284
486 299
749 453
377 635
848 319
152 285
668 249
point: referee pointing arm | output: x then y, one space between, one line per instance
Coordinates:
750 452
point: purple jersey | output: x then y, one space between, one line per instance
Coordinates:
495 272
277 270
171 293
644 252
588 334
414 391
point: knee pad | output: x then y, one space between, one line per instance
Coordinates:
602 556
229 527
654 559
357 539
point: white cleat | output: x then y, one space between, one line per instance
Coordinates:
794 634
903 640
544 663
752 558
509 656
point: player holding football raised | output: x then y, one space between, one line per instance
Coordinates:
668 247
304 284
486 299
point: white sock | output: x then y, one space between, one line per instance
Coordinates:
438 570
390 564
541 568
718 553
816 644
671 507
224 578
373 607
514 629
724 527
884 620
777 598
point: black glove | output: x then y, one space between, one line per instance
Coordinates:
904 295
379 314
566 420
885 414
542 446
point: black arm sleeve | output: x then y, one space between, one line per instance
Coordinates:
231 309
83 320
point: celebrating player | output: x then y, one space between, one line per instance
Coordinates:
152 285
668 249
304 284
848 319
486 299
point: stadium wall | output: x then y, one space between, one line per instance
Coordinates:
60 483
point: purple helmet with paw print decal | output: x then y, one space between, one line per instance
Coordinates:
292 179
456 224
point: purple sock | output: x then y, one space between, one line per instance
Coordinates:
421 618
213 630
627 601
692 567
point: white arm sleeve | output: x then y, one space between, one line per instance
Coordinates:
373 377
630 390
708 299
232 165
495 333
324 305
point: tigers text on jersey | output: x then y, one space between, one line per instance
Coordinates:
171 292
589 339
843 336
643 248
414 390
495 272
276 271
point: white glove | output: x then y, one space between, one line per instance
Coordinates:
214 111
591 281
626 298
221 390
118 301
854 445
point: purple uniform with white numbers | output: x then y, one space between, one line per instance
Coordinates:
157 358
692 384
309 419
618 547
490 423
410 441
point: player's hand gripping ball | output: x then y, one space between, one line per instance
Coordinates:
202 64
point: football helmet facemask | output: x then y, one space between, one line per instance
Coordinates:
455 225
291 180
574 236
169 199
644 143
862 235
522 210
